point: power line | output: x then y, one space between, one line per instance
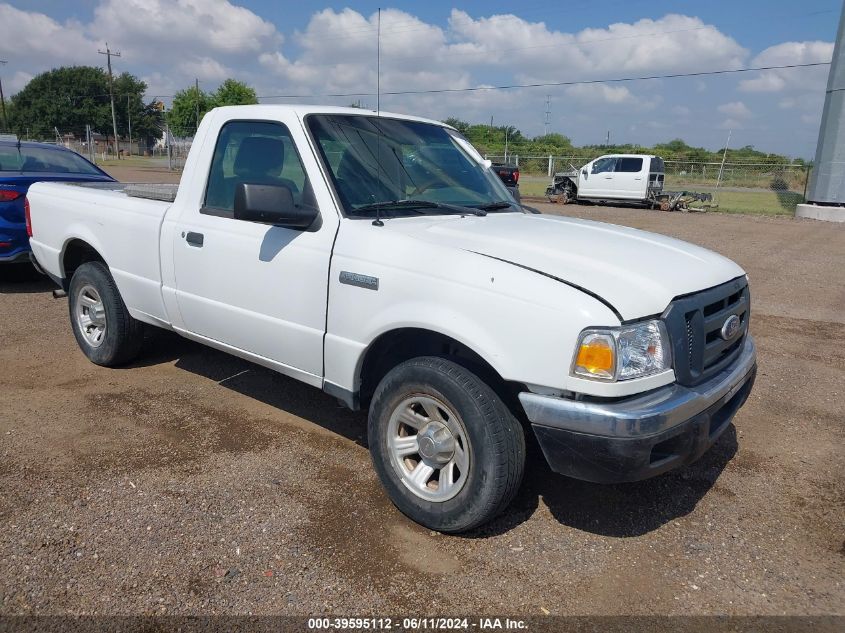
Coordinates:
548 84
514 86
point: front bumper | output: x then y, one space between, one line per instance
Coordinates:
643 436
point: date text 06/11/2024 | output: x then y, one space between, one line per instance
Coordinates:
412 623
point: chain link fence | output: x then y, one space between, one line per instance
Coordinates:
738 187
100 149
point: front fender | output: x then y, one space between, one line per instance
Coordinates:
523 324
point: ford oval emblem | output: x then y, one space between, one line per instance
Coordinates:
730 327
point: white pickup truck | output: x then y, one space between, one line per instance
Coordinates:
379 259
613 177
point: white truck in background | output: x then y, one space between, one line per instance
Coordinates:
340 247
613 177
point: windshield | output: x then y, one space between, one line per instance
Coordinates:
44 159
377 163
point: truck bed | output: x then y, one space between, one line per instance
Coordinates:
121 222
163 192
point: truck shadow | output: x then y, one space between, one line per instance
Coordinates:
23 279
621 510
615 510
256 382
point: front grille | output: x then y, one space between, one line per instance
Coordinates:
695 323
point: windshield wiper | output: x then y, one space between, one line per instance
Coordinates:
493 206
420 206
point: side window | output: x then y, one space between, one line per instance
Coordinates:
630 165
256 152
603 165
657 165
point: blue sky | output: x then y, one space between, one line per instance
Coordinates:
285 48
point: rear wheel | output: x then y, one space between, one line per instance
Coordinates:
447 450
105 331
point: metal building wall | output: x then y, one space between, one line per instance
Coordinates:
827 182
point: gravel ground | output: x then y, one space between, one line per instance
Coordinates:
195 483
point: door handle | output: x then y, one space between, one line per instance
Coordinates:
194 239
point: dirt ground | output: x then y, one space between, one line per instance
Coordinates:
194 482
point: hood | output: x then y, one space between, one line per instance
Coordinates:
636 272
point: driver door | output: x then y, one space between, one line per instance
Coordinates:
598 182
250 287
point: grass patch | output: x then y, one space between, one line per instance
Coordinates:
758 202
130 161
533 185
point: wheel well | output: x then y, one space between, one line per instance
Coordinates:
397 346
77 252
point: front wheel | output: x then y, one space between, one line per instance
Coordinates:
447 450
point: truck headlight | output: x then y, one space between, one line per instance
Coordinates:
622 353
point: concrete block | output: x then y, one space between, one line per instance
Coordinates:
820 212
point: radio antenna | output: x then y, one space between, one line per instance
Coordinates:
377 221
378 63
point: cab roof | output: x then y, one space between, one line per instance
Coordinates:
302 110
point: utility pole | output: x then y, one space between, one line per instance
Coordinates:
607 139
3 62
129 119
108 55
548 115
197 95
168 142
89 140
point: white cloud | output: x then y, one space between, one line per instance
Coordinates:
40 41
170 42
735 110
165 27
793 79
731 124
600 93
166 42
18 81
204 69
670 43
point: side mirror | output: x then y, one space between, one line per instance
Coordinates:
271 204
584 171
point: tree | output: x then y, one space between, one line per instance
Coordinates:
460 126
150 123
66 99
147 121
182 116
233 92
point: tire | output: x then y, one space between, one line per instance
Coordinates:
487 443
105 331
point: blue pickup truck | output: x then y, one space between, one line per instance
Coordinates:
21 164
